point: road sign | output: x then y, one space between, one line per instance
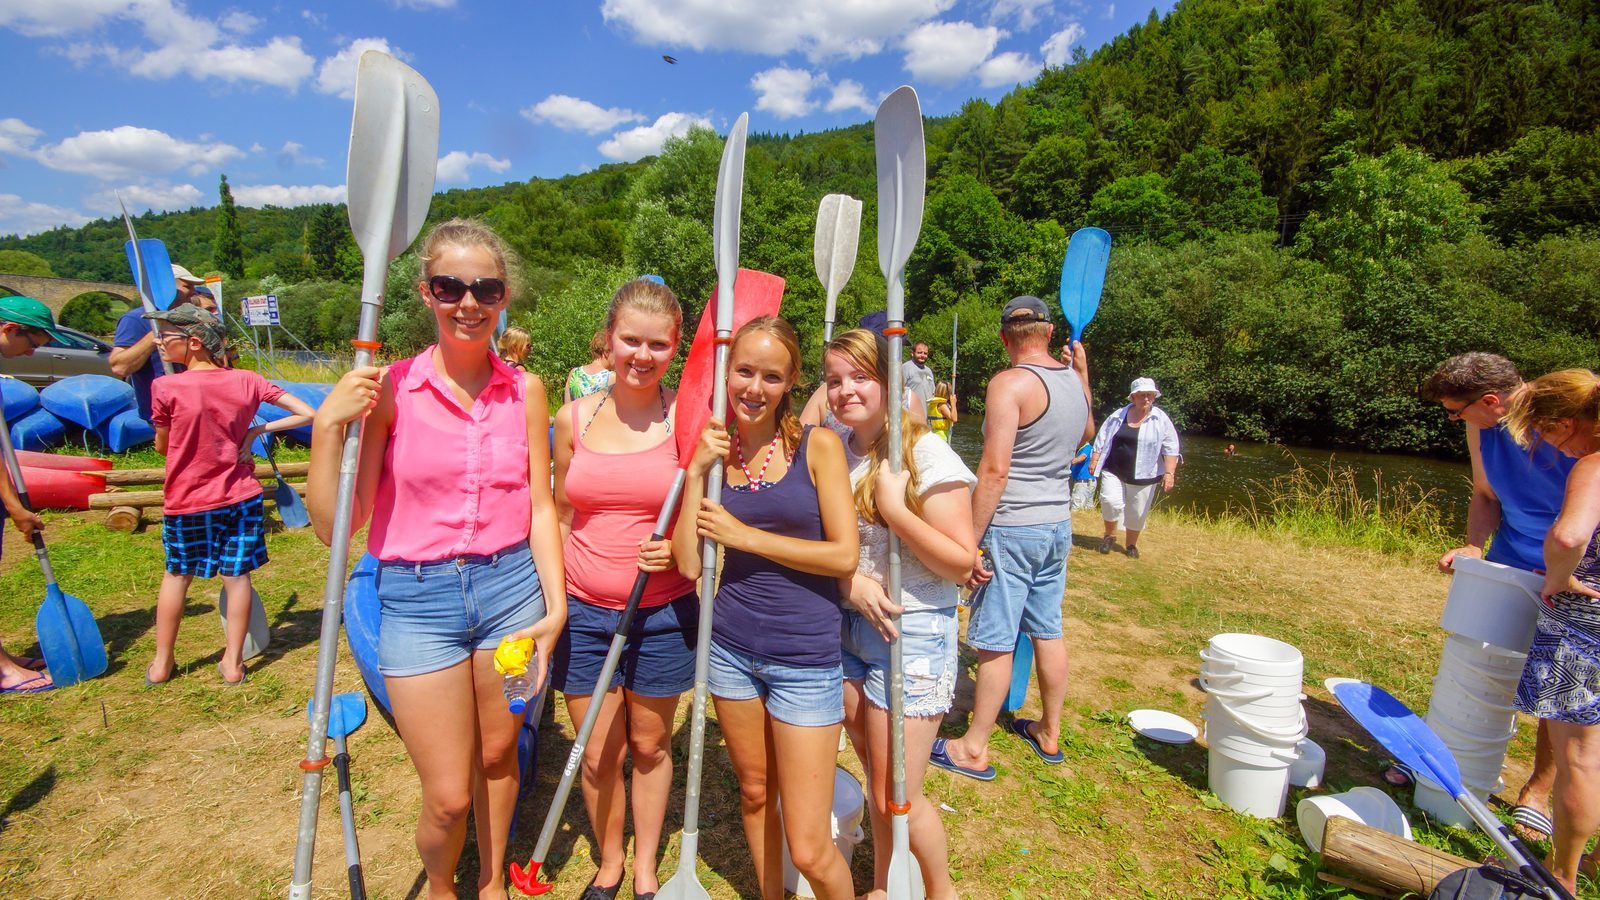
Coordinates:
259 310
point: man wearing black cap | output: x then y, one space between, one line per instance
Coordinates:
1036 413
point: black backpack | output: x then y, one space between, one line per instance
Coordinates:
1485 883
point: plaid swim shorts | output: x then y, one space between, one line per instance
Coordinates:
228 540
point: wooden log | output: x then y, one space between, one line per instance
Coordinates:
159 476
146 499
124 518
1389 864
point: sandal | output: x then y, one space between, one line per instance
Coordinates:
941 758
1535 821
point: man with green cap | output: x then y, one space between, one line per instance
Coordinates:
25 326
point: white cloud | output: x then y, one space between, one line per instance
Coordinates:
425 4
34 19
849 94
293 154
337 74
785 92
19 216
455 167
239 22
17 137
820 29
1025 12
1058 49
646 140
946 52
158 196
128 151
1008 69
572 114
1111 11
259 195
280 62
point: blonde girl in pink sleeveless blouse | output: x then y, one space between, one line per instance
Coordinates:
468 542
616 457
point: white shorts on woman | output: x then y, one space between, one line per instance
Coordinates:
1126 503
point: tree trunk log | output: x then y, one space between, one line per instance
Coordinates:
159 476
146 499
1383 860
124 518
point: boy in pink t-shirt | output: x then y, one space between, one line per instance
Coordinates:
212 501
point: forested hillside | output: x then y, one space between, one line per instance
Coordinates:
1313 201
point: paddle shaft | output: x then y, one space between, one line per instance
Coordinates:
15 470
143 279
375 270
347 818
619 638
955 354
899 879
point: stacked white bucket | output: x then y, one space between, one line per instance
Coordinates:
1490 615
1254 720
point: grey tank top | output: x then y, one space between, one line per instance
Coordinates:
1039 485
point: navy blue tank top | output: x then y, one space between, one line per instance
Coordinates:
1531 487
770 611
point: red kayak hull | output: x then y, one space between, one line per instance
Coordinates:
60 488
34 460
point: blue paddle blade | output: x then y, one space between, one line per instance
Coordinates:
157 267
348 712
1083 277
69 638
291 508
1400 731
1021 671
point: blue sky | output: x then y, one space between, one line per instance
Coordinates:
155 98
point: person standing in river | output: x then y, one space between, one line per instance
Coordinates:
1516 495
1035 414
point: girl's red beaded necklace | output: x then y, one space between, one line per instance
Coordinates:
758 480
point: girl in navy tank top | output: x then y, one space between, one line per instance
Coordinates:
787 526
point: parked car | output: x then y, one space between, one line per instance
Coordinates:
80 354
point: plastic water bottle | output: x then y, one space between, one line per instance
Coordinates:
517 660
519 690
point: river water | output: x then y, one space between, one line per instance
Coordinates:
1211 481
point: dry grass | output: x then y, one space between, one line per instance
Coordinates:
191 789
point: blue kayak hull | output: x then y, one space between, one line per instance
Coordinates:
19 398
310 392
38 430
361 615
87 400
125 430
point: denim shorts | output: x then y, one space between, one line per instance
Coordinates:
805 696
928 646
1024 596
657 658
229 540
434 614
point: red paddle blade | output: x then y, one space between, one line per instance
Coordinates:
527 880
754 294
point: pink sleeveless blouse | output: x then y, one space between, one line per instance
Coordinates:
455 481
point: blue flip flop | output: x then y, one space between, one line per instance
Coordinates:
34 685
941 758
1019 727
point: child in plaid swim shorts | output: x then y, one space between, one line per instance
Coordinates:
212 501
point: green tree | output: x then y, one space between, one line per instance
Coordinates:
22 262
227 254
1223 192
324 234
1139 207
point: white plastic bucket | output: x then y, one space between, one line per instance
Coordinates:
1492 603
1252 654
1250 788
848 809
1278 733
1310 760
1434 801
1367 805
1478 654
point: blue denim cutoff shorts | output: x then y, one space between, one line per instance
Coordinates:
1024 596
436 613
806 696
657 657
928 646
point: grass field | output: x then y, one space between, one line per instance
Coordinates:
191 789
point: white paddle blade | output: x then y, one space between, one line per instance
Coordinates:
725 222
902 178
838 237
394 152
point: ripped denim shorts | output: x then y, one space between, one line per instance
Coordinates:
928 642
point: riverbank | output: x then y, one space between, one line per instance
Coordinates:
191 789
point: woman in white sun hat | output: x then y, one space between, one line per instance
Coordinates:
1136 449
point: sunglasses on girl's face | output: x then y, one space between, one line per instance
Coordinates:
450 289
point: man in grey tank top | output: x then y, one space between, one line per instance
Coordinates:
1036 415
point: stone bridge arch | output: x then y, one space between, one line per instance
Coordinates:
56 292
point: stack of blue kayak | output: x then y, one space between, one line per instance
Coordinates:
31 427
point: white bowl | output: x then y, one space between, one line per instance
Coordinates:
1367 805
